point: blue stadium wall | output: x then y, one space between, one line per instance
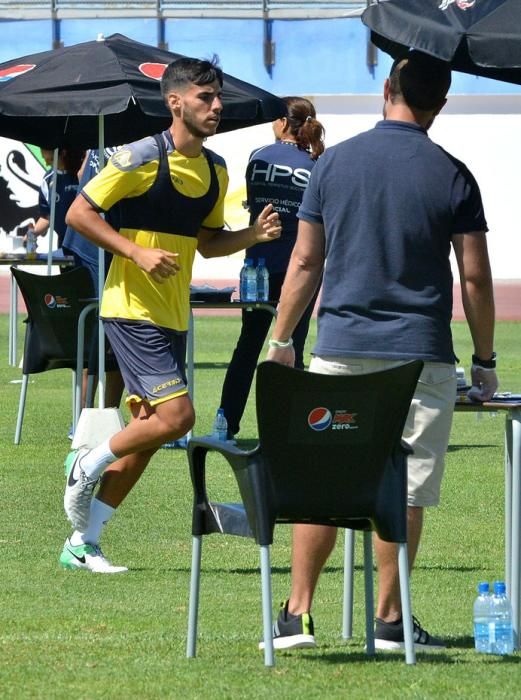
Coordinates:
311 56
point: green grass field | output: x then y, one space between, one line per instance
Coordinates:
79 635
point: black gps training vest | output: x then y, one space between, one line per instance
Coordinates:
163 209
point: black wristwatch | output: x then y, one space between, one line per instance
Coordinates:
486 364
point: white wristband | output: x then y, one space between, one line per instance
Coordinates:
280 343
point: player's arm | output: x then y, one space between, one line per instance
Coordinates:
266 227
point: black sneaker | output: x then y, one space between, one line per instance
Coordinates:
292 631
389 636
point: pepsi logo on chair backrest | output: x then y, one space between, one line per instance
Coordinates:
56 302
321 418
328 418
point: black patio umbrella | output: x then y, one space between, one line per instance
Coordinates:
480 37
106 93
50 98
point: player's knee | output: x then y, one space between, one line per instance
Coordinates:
179 421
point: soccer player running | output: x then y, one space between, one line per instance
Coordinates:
170 191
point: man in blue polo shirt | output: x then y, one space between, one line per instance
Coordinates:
384 209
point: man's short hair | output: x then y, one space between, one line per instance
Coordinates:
422 80
184 71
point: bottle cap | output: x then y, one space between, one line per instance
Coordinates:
261 261
248 261
483 587
499 587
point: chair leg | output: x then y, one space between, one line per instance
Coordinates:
193 606
405 595
369 592
349 565
21 409
89 399
267 620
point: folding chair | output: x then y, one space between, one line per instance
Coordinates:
330 452
54 304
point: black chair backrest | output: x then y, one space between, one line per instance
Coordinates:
54 303
331 445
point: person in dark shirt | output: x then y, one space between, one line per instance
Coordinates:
382 212
277 173
69 162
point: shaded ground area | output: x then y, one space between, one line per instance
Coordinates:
507 295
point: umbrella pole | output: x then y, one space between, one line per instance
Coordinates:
101 279
52 195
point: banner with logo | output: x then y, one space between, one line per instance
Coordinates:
21 173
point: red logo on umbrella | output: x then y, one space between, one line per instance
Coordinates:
15 71
153 70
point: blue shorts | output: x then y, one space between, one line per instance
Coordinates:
151 360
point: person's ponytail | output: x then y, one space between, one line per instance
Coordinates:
304 126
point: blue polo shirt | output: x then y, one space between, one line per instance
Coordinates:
390 201
278 173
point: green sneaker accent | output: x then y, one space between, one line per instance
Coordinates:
69 461
307 624
89 557
292 631
74 557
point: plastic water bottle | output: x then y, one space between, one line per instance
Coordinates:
220 426
263 281
482 617
248 281
31 244
500 627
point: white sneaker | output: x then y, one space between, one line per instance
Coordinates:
78 490
87 556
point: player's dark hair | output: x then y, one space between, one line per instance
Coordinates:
184 71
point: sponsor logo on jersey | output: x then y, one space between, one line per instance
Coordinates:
319 419
279 174
15 71
153 70
122 159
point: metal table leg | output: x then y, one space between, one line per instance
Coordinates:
13 321
515 416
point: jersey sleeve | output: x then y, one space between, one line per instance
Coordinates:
129 172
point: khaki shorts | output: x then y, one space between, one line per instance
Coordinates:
428 424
